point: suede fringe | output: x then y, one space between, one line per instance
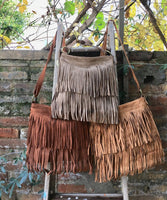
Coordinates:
85 108
129 147
65 144
87 90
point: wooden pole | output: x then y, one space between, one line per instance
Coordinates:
124 179
57 55
125 76
49 178
121 21
124 185
111 37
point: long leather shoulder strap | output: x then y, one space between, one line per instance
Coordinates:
130 66
104 45
42 75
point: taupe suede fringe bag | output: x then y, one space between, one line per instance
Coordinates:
129 147
64 144
87 89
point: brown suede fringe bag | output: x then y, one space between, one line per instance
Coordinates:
129 147
87 89
63 144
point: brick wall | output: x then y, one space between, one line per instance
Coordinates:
19 71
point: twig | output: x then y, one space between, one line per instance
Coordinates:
78 18
116 18
88 21
126 8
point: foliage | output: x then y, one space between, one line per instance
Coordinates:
163 67
23 177
69 6
13 19
140 34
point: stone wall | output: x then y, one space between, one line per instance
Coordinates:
19 71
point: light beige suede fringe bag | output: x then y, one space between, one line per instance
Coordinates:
87 89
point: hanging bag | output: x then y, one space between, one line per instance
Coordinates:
129 147
87 89
63 144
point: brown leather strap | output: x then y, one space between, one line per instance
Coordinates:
42 75
104 46
130 66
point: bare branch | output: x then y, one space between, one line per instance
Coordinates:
78 18
88 21
126 8
100 41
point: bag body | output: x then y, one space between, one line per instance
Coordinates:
129 147
132 145
87 90
64 144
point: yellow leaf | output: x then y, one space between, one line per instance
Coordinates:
116 44
26 47
156 5
77 44
96 37
91 38
163 23
7 40
19 4
25 2
158 45
148 44
79 6
165 11
22 8
76 33
111 8
132 11
19 42
166 33
19 47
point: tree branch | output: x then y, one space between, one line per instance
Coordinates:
78 18
154 21
88 21
99 42
127 8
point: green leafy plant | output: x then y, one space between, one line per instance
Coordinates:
99 22
163 67
69 6
24 177
13 19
